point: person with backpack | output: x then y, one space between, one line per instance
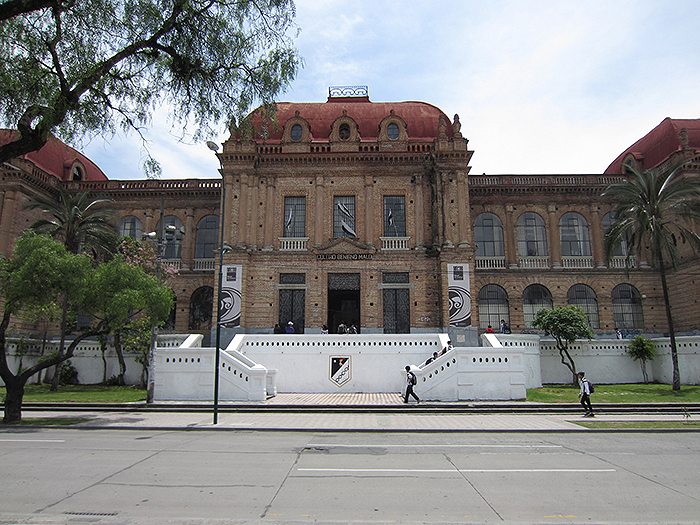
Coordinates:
585 395
411 381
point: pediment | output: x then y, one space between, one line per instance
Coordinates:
345 245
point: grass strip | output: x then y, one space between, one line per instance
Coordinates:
638 425
52 421
625 393
82 394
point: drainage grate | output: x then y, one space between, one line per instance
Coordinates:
91 513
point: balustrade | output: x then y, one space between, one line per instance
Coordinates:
394 243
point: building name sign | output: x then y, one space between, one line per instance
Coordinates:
343 256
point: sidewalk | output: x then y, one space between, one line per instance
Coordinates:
331 417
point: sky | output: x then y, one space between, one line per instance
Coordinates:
540 86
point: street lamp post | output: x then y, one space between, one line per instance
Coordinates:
222 249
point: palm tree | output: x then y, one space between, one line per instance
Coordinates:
78 220
653 210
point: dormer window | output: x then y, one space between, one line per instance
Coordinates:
392 131
296 132
344 132
77 172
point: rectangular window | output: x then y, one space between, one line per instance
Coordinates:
344 216
294 216
394 216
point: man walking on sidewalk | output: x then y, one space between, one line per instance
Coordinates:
585 395
411 380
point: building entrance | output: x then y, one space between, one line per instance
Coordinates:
343 300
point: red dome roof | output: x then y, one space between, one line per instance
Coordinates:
421 119
57 159
658 145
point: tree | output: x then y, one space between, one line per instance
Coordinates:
42 271
642 349
124 293
654 210
77 69
80 222
565 324
76 219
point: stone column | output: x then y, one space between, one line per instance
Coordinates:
253 228
595 231
150 221
370 210
419 216
511 237
243 212
462 209
188 240
553 238
448 233
226 211
320 212
270 215
7 219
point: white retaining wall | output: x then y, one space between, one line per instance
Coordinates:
87 360
606 361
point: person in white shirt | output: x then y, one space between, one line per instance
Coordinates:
410 379
585 395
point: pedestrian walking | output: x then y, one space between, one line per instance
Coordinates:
585 395
411 381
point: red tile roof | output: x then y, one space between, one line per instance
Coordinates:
56 158
421 119
658 145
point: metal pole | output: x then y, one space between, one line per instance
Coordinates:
218 308
150 389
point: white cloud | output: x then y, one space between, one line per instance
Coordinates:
554 86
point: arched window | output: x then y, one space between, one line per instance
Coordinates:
392 131
532 235
206 237
627 307
172 237
201 307
620 249
129 226
584 297
488 235
573 232
535 297
493 306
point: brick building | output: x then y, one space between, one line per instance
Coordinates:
366 213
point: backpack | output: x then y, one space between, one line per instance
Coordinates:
591 388
414 379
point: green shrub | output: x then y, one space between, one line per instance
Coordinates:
69 375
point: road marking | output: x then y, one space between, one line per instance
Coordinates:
379 470
33 440
433 446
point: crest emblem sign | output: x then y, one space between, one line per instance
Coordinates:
340 370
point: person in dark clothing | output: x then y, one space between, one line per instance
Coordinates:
410 381
278 329
585 395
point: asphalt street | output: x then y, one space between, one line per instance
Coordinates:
144 476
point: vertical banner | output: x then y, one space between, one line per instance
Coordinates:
230 300
459 294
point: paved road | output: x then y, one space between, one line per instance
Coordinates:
110 477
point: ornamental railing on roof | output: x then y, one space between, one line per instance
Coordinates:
348 91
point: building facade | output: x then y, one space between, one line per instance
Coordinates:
349 212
